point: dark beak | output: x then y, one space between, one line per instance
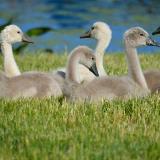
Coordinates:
151 42
86 34
94 70
26 39
157 31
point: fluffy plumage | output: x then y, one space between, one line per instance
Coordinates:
125 87
29 85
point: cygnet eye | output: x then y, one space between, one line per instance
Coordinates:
92 28
141 34
93 58
18 32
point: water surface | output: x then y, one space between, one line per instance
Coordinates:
70 18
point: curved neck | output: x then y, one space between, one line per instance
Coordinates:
10 66
102 44
72 72
134 68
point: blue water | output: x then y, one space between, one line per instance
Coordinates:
71 18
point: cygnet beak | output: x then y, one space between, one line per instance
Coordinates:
151 42
94 70
157 31
26 39
86 34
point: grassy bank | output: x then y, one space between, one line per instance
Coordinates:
53 129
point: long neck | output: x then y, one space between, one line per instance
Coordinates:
72 69
10 66
100 50
134 68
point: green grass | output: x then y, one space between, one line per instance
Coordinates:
53 129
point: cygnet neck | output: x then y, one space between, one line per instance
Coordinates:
72 72
134 67
10 66
102 44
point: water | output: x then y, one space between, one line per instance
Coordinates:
71 18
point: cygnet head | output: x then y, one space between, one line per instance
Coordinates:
85 56
12 34
98 31
137 36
